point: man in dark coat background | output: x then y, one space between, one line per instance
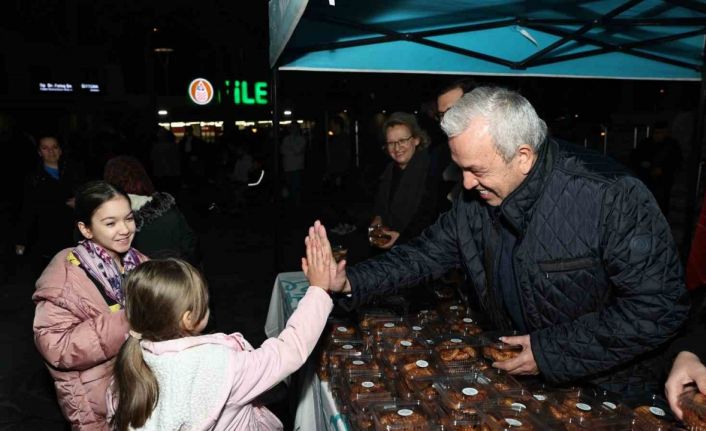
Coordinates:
559 243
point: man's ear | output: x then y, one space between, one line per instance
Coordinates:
85 230
525 158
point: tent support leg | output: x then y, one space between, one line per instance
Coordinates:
694 160
276 192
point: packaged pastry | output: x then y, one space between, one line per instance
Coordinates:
498 351
340 329
521 400
464 326
576 406
472 367
456 351
369 316
466 396
403 416
452 310
504 419
651 418
404 391
364 364
396 361
693 405
469 423
361 414
501 381
418 369
426 388
387 328
366 386
613 402
340 350
428 316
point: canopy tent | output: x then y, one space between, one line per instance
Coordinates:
637 39
620 39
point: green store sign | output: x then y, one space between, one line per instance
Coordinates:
239 92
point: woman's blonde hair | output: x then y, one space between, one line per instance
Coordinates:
157 294
410 121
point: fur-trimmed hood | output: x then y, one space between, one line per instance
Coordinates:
148 210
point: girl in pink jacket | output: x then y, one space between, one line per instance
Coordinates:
168 377
79 324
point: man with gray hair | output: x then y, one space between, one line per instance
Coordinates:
560 244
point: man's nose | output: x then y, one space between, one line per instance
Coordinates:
469 181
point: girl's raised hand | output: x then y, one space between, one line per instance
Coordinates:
316 266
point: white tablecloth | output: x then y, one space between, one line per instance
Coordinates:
316 409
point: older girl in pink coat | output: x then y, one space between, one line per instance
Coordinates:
79 322
168 377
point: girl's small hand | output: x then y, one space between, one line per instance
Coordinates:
317 263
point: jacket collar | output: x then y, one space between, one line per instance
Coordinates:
179 344
517 207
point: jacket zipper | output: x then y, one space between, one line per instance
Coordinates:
517 284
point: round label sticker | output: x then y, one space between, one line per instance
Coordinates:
467 320
357 362
367 384
424 311
404 412
469 391
422 363
583 406
406 343
389 325
518 406
430 341
540 397
346 347
416 328
342 329
657 411
513 422
456 340
610 405
453 307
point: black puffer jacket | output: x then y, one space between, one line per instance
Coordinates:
599 278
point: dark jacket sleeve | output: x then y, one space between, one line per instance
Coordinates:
28 213
649 303
427 256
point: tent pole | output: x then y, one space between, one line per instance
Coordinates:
695 155
277 193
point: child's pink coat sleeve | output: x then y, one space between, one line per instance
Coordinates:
258 370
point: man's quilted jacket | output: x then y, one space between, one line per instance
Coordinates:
599 278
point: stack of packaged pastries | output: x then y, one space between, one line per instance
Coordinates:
431 369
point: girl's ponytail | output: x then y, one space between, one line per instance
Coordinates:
136 387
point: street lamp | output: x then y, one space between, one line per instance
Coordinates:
163 55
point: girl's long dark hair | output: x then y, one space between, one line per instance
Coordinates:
157 294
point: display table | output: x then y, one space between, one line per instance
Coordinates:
316 409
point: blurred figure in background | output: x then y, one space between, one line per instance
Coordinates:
293 158
47 207
655 161
162 230
166 167
450 186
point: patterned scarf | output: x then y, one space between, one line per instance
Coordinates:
96 261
